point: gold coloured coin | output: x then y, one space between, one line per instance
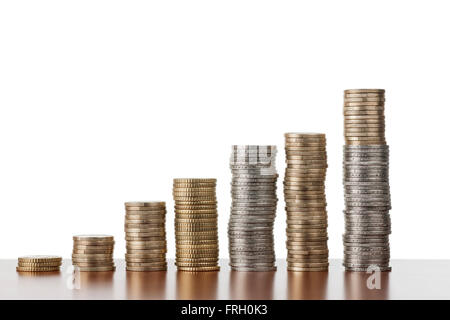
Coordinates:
146 251
366 103
93 238
37 269
155 268
198 269
194 204
360 91
40 264
149 210
158 204
91 251
365 99
194 180
147 264
211 189
143 260
39 259
304 134
92 256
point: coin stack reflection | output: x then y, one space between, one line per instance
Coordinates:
253 208
304 193
145 235
197 247
93 252
366 182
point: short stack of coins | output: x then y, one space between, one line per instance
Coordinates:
366 182
304 194
39 264
197 245
145 235
93 253
253 208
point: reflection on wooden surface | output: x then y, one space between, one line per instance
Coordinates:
94 285
197 285
307 285
251 285
92 280
146 285
356 288
41 275
410 279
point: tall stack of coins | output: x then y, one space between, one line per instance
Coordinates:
366 182
197 246
253 208
145 234
304 194
93 252
39 264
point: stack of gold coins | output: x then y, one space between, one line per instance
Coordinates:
145 230
197 247
364 117
304 194
93 252
366 182
39 264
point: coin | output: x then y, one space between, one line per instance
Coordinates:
145 215
39 264
39 259
37 269
158 204
145 269
149 251
145 210
93 256
198 269
156 255
145 244
364 91
93 238
147 264
194 180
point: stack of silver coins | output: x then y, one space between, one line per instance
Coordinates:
366 182
253 208
145 235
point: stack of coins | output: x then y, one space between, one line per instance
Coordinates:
366 182
39 264
253 208
145 234
93 252
197 246
304 194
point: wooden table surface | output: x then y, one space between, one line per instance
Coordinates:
409 279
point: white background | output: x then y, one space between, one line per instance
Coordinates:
107 101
